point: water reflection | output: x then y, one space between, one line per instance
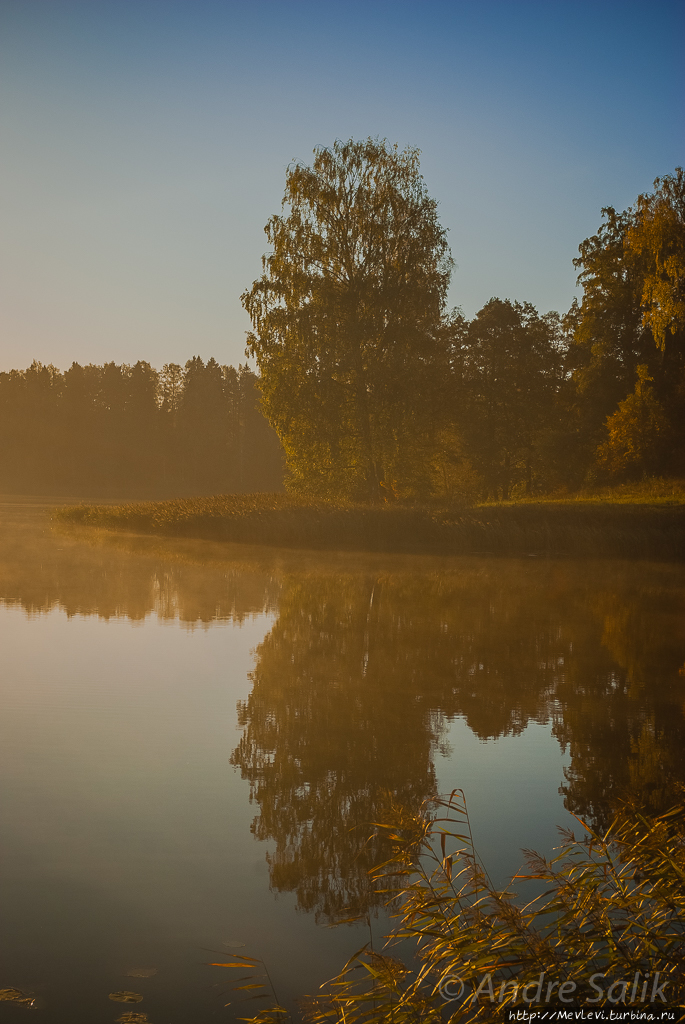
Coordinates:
355 681
341 716
370 657
111 576
623 697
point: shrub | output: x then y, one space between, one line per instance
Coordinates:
637 433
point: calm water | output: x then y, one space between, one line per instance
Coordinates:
190 734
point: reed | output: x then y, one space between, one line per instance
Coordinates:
605 930
590 527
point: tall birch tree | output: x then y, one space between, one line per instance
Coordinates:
349 335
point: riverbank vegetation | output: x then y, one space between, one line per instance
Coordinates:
604 928
623 527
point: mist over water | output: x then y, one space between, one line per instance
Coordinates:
195 737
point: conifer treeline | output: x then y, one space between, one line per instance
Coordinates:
133 431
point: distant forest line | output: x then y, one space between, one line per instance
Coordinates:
134 431
527 407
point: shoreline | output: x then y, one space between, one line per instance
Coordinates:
544 528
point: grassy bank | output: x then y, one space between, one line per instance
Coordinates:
597 528
648 491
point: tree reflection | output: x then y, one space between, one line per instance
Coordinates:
340 719
108 575
622 699
370 657
354 684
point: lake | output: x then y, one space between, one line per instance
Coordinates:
195 737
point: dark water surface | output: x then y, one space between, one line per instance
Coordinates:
194 736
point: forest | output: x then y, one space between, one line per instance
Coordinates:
132 431
368 388
376 389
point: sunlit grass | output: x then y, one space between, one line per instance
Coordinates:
615 527
649 491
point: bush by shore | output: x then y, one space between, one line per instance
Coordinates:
598 528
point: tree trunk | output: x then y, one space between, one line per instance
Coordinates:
505 480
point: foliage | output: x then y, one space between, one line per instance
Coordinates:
612 914
608 341
376 392
451 476
658 234
510 373
126 997
654 490
637 432
632 278
15 995
348 323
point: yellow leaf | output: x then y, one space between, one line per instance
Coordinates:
126 997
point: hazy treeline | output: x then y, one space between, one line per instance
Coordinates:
119 430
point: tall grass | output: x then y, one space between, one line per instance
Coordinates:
648 491
607 931
561 527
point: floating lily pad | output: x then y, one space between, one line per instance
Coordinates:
126 997
141 972
15 995
133 1018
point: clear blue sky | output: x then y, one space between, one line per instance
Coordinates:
145 142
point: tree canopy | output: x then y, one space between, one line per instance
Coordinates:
630 328
510 373
657 234
374 388
348 317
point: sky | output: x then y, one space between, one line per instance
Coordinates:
145 145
